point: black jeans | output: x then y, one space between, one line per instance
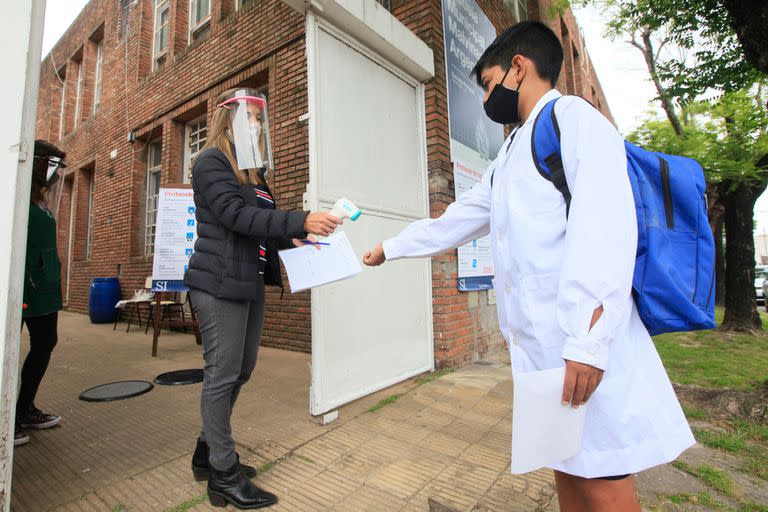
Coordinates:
43 335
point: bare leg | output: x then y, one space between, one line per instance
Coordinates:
610 495
576 494
569 494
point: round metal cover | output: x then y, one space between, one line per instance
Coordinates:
116 391
180 377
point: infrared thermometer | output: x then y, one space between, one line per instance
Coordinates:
345 209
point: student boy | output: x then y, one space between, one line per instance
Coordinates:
563 281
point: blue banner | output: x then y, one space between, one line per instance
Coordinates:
473 284
169 286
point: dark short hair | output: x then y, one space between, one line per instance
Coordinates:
45 148
43 151
531 39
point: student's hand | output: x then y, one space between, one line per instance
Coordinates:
298 242
321 223
580 382
375 256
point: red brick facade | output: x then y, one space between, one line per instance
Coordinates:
154 103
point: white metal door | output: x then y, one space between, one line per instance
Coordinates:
368 143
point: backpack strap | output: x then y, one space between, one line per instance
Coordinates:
509 145
545 150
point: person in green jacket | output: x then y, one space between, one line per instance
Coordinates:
42 290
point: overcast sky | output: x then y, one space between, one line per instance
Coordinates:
59 15
619 67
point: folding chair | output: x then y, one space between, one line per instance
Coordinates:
135 306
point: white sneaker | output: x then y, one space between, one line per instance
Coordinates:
20 437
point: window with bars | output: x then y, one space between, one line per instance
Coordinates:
89 232
518 8
63 107
195 137
199 15
154 171
78 91
521 12
98 76
162 28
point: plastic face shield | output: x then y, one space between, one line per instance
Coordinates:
53 179
250 130
55 169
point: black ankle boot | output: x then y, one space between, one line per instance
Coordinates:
201 467
232 486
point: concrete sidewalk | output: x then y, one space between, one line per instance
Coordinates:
437 445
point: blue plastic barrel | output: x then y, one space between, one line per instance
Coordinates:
105 292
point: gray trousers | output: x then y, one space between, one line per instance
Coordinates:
231 330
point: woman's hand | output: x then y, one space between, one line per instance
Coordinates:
321 223
375 256
300 243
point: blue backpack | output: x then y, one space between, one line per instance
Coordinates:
674 279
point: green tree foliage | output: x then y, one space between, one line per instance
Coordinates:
708 53
728 135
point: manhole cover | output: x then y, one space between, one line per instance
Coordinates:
116 391
180 377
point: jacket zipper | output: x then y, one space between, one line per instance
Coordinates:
666 190
711 286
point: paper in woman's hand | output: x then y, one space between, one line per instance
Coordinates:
307 267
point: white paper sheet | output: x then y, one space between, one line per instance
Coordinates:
307 267
544 431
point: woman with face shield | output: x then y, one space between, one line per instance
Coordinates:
42 290
239 232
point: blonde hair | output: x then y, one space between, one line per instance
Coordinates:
220 137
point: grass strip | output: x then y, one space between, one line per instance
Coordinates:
192 502
715 478
389 400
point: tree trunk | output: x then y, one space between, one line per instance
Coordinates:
740 304
719 263
749 19
715 211
650 60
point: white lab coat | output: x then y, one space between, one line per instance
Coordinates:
550 279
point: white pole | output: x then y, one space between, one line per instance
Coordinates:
21 35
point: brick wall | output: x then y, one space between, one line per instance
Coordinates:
578 75
237 48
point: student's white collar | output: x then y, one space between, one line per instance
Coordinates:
549 96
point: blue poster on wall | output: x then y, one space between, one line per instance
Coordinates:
475 139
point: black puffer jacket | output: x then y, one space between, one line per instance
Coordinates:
230 223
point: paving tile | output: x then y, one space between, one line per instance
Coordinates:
370 499
448 439
405 478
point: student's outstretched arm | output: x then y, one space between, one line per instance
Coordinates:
595 287
463 221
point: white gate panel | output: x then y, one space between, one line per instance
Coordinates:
369 133
368 143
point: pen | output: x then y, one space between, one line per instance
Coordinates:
314 243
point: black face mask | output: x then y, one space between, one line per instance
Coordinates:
502 105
